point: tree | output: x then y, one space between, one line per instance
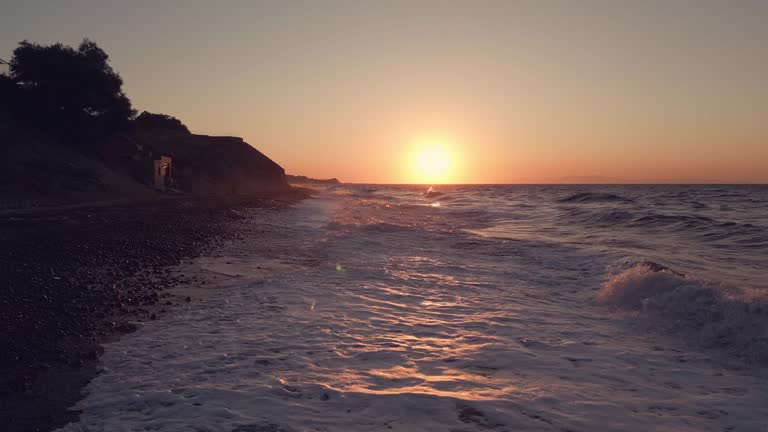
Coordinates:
74 94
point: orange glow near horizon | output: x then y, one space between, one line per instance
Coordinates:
462 92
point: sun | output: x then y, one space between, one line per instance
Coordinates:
432 161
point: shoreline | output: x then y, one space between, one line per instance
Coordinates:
78 276
288 341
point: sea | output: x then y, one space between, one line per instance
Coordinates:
471 308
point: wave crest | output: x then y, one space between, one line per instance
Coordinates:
631 288
711 315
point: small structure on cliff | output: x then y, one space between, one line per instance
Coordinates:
163 178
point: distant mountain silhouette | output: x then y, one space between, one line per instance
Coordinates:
591 180
304 179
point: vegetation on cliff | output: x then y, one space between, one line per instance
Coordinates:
72 95
148 121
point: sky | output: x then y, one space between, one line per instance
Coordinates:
445 91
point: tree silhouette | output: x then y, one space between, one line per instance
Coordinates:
73 94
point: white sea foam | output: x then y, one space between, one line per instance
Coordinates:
708 314
348 314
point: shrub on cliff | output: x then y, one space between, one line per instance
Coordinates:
160 122
71 94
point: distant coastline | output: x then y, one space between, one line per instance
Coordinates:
300 179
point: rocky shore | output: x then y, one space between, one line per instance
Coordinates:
72 278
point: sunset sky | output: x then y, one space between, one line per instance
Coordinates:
493 91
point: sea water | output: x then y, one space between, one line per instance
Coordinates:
504 308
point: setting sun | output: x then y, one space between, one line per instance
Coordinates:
433 161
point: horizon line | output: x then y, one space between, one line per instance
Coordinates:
715 183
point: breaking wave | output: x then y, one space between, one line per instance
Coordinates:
709 314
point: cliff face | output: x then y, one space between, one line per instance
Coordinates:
214 165
36 171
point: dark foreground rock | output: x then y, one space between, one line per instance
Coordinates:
69 279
